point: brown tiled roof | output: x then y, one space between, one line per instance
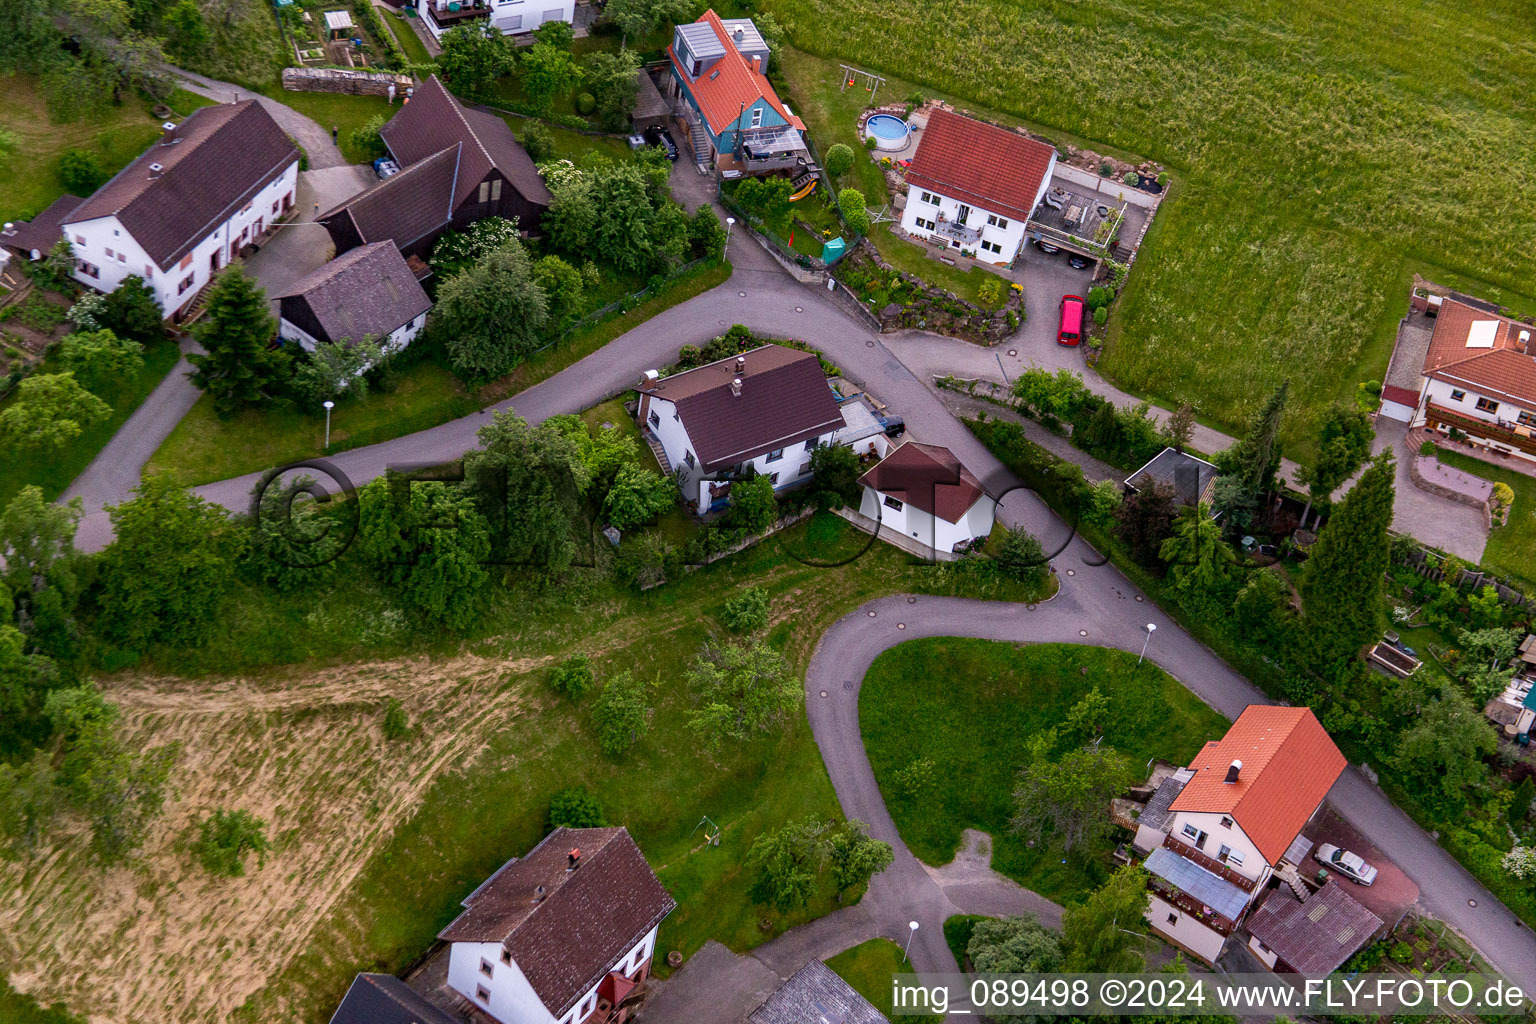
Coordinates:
435 120
784 400
1317 936
1502 370
980 164
365 291
223 156
406 205
730 84
927 477
385 999
587 919
1289 764
41 232
813 995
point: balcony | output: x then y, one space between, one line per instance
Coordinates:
1191 906
444 16
957 232
1210 864
1482 431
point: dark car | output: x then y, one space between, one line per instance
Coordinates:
1048 248
894 426
1077 261
658 136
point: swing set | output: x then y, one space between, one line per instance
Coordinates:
711 831
854 76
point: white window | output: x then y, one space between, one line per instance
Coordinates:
757 117
1226 822
496 190
485 191
930 198
185 284
775 455
1233 857
891 502
122 257
655 419
1191 831
992 247
88 269
996 221
149 272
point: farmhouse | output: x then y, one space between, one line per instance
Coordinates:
1218 830
972 186
734 120
505 16
563 933
457 165
207 189
1479 378
760 413
923 492
368 292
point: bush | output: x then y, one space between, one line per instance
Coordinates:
1429 450
1101 315
620 715
80 172
572 677
869 143
225 837
1105 170
753 505
539 144
396 725
839 160
747 612
1098 296
575 808
585 103
367 136
851 204
991 291
1131 178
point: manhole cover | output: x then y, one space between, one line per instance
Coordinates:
722 323
823 693
799 309
1471 903
1071 572
1013 351
901 625
742 294
848 684
1030 607
1082 632
869 344
871 614
911 600
1140 598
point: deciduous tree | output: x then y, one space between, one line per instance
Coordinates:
529 483
474 55
788 862
1103 933
226 838
1344 441
1440 756
742 689
1144 519
50 410
100 358
429 541
753 505
621 714
839 160
1066 797
638 497
854 856
546 71
133 311
1014 945
43 570
492 315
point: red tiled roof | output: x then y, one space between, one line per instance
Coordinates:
1501 370
728 85
1402 396
927 477
1289 764
980 164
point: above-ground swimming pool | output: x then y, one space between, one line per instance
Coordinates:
888 131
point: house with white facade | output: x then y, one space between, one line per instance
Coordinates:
509 17
367 292
972 186
204 191
761 413
1479 378
1218 830
562 935
925 493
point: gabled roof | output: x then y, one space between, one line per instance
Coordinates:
928 477
41 232
406 205
980 164
729 84
434 120
1317 936
211 165
784 400
1289 764
1483 352
1185 475
385 999
364 291
815 994
567 939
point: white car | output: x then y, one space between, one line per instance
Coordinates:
1351 865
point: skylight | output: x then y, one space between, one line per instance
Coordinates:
1482 333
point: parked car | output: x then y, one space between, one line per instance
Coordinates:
1048 248
658 136
894 426
1077 261
384 167
1071 330
1350 865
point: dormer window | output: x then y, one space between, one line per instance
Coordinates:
1226 822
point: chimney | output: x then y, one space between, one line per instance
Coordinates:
736 387
757 63
539 892
168 133
1525 342
740 35
154 171
741 365
1233 770
573 859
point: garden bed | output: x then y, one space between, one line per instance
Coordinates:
900 300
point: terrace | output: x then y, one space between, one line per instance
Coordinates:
446 14
1080 218
1493 435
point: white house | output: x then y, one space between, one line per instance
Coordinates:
365 292
505 16
177 215
924 492
1218 829
972 186
1479 378
762 412
563 935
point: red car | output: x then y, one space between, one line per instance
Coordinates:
1071 330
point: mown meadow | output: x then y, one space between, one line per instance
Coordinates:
1320 152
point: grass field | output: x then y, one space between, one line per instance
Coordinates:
1318 150
1511 549
869 967
337 110
410 43
975 705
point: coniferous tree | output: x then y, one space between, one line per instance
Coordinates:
1255 457
237 367
1341 585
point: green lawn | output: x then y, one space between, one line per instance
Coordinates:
1511 549
339 110
410 43
572 145
971 706
832 116
869 968
183 102
1316 154
54 472
16 1008
909 258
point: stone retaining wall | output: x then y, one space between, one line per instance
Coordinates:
356 83
1423 483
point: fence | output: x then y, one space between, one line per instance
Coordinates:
355 83
1430 565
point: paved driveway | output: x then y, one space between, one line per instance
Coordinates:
300 245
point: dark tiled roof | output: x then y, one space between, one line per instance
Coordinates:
39 233
385 999
928 477
1184 474
587 919
435 120
1317 936
366 291
224 155
980 164
815 994
784 400
1490 359
1156 814
406 205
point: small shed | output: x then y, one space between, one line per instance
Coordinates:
1191 479
650 106
338 24
833 250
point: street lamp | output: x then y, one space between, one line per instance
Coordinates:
1151 628
911 931
729 222
328 407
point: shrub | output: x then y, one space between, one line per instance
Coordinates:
869 143
538 142
1131 178
1401 953
1098 296
839 160
915 779
850 203
747 612
1162 178
585 103
225 837
80 172
572 677
1429 450
575 808
396 725
991 291
753 505
1101 315
367 136
620 715
1105 170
